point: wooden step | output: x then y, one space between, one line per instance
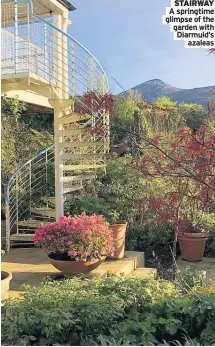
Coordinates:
22 237
76 184
73 186
73 132
144 272
73 118
31 223
70 189
68 156
44 211
82 168
77 178
79 144
67 189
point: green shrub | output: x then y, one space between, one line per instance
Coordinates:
168 320
137 292
91 204
72 311
114 195
119 311
121 187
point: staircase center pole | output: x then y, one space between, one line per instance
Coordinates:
58 166
58 75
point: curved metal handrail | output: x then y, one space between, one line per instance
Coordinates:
26 187
7 197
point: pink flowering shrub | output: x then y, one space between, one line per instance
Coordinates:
80 238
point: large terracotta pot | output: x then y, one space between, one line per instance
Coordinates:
192 245
119 231
5 283
74 268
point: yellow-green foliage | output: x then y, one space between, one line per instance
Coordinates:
161 118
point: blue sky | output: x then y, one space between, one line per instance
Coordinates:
132 44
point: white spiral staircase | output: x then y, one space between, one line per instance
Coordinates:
44 65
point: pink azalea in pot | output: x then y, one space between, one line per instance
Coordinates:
78 243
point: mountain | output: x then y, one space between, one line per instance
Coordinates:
152 89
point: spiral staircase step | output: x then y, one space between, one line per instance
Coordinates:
77 178
44 211
78 144
22 237
73 132
68 156
73 117
31 223
82 167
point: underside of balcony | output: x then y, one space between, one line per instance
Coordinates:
29 88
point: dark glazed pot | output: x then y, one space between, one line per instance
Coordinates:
73 268
192 245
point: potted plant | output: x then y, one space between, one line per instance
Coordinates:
193 231
5 282
192 239
76 245
190 226
118 228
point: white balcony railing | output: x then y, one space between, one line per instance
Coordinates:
35 45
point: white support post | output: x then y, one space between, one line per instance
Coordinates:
57 113
58 164
59 106
58 59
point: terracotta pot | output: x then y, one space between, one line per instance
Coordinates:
192 245
74 268
5 283
119 231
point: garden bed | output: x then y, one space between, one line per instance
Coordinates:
119 311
